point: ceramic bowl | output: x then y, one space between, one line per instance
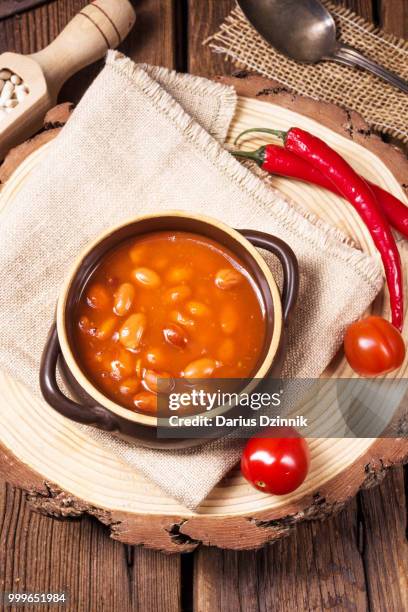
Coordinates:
91 406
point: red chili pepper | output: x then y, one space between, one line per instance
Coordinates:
277 160
354 189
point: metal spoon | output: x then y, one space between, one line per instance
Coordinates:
305 31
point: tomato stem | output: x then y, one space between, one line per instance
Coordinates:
261 484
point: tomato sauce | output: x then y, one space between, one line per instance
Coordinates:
167 305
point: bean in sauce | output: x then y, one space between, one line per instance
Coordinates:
163 306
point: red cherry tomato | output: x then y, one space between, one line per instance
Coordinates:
373 346
276 465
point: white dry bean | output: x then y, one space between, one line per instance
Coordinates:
3 100
11 103
12 91
8 91
21 91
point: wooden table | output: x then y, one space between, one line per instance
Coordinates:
355 561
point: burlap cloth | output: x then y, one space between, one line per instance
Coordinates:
383 106
144 139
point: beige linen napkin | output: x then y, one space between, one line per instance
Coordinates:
145 139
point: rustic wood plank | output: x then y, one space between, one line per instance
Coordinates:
204 18
250 577
35 29
38 553
394 17
355 561
383 512
384 509
155 580
365 8
9 8
151 40
322 566
319 567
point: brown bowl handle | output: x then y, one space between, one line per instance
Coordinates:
289 265
86 414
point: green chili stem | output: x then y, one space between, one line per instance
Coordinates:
257 156
279 133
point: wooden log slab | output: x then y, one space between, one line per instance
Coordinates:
251 528
53 122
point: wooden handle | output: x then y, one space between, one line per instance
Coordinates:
98 27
